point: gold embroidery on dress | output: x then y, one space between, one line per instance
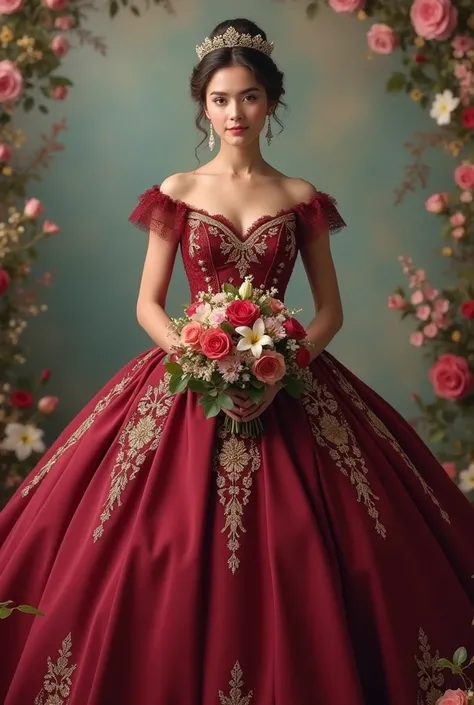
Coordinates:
57 681
141 435
429 675
238 459
382 431
87 423
236 684
193 244
332 431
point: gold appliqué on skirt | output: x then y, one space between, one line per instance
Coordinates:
141 436
382 431
236 684
236 461
429 675
332 431
87 423
57 681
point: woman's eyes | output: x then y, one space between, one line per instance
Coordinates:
250 98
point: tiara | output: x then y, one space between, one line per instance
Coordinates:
232 38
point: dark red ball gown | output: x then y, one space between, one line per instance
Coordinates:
325 562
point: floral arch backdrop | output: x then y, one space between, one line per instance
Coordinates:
436 39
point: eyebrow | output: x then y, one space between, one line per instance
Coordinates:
247 90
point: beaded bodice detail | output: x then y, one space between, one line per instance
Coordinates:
215 253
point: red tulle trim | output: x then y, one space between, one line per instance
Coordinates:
321 213
157 212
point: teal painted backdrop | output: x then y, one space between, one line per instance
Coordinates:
131 123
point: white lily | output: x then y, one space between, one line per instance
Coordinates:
23 440
254 338
443 105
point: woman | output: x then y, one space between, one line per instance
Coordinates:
178 564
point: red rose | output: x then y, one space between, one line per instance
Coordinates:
420 58
21 399
467 309
303 357
242 313
45 375
294 329
4 281
216 343
451 377
467 118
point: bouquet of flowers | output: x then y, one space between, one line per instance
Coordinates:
239 338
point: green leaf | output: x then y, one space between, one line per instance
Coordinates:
210 405
44 109
294 386
27 609
225 401
230 289
228 327
135 11
256 395
444 663
173 368
396 82
5 612
29 104
113 8
257 383
178 383
312 10
197 385
437 435
460 656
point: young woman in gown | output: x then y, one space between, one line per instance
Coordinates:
325 561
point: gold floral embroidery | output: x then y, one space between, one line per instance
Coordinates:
382 431
57 681
141 435
238 459
429 675
236 684
332 431
87 423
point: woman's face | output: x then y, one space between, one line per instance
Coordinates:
236 105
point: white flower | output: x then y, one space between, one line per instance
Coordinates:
443 105
23 440
466 479
202 314
217 316
253 338
246 289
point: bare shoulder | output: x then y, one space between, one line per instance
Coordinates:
176 186
300 190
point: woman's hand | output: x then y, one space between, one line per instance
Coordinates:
245 409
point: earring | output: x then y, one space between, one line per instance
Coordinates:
212 139
269 133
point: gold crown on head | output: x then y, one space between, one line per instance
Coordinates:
232 38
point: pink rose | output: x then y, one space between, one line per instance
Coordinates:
5 281
417 339
437 202
431 330
466 197
464 176
276 305
441 306
11 81
434 19
192 308
346 5
45 375
5 152
270 367
396 302
215 343
382 39
423 312
450 470
59 92
457 233
56 5
451 377
453 697
50 228
294 329
417 297
191 335
242 313
64 22
60 45
462 44
457 218
48 405
8 7
33 208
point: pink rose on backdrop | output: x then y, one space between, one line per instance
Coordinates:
191 335
50 228
467 309
270 367
60 45
431 330
276 305
451 377
294 329
64 22
453 697
8 7
382 39
346 5
216 343
462 44
457 218
59 92
396 302
466 197
4 281
45 375
33 208
417 298
457 233
5 152
434 19
242 313
441 306
417 339
21 399
48 405
464 176
56 5
437 202
450 470
11 81
423 312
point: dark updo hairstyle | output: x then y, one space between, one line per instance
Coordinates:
262 66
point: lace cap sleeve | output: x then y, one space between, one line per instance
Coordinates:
321 214
157 212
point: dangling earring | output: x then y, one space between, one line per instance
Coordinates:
212 139
269 133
